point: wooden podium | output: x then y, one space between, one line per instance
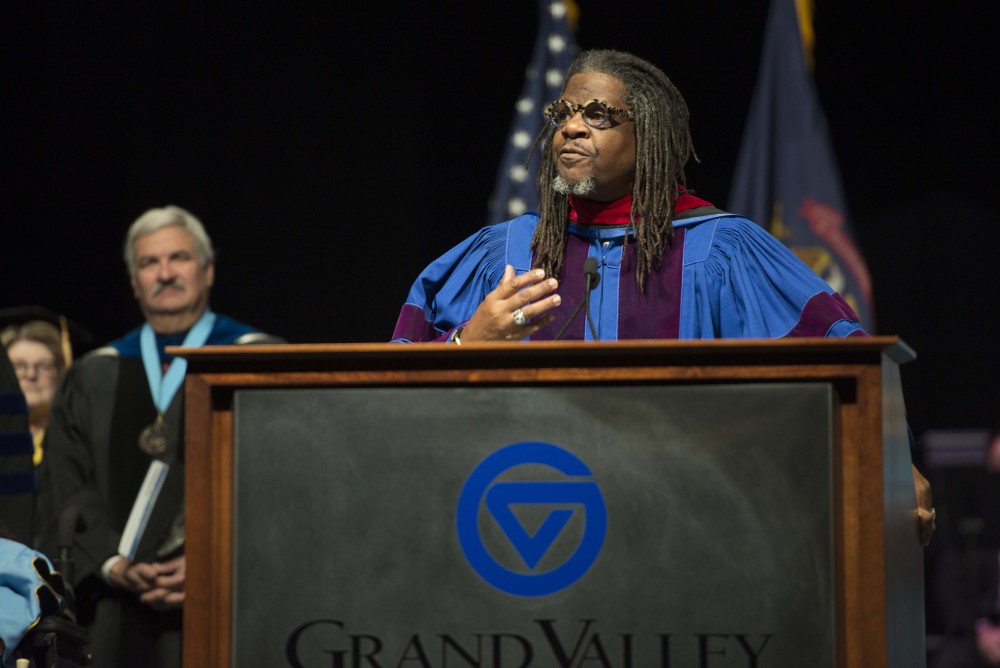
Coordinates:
435 403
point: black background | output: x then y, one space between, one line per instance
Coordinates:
332 151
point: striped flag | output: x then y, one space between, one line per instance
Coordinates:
786 177
555 48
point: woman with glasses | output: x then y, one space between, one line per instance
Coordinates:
35 349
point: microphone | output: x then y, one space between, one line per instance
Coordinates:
592 278
590 272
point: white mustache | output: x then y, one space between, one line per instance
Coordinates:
172 283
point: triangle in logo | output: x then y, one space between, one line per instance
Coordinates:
531 546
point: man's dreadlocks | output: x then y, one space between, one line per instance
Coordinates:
663 147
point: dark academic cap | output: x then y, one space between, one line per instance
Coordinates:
73 335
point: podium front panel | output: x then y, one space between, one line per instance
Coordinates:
621 525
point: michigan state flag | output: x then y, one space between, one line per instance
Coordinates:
555 48
786 177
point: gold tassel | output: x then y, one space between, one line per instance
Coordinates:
64 336
805 9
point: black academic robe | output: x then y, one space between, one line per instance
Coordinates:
93 465
17 481
966 588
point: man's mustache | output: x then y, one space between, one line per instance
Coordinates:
172 283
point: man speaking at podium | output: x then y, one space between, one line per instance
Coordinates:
623 241
669 265
119 409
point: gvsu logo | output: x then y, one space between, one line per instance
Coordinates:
532 515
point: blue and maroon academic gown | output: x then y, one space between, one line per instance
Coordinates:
722 277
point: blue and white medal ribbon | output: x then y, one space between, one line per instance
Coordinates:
163 387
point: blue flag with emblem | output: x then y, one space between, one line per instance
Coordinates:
786 177
555 48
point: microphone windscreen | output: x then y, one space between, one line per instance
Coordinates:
590 271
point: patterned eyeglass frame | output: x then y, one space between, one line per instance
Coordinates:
609 111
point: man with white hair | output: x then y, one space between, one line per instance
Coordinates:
119 409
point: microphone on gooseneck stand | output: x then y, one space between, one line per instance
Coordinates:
592 278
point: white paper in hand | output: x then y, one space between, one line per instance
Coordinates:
142 508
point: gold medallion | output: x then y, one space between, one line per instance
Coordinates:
153 439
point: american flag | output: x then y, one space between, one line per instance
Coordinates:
555 48
786 176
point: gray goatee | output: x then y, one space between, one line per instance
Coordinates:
579 188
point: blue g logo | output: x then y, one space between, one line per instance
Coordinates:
561 499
